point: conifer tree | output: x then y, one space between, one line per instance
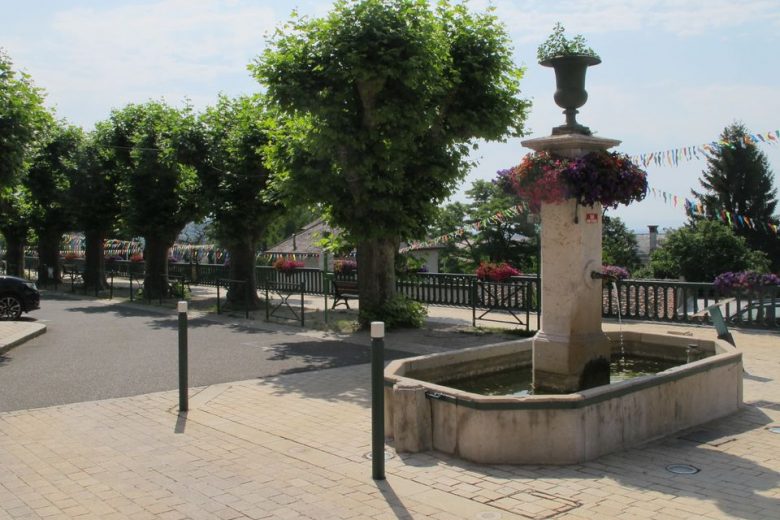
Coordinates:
738 180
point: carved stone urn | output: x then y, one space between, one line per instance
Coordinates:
570 93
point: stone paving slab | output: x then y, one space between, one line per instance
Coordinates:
295 446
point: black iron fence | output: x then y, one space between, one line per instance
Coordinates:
649 300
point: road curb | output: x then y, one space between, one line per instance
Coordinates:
29 332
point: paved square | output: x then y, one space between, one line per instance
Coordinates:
295 446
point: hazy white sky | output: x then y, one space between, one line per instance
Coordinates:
674 73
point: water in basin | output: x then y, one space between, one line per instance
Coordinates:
517 381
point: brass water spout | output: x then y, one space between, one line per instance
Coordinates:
596 275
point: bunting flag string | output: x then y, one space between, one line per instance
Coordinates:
675 156
691 208
498 217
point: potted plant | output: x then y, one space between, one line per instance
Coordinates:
345 266
750 283
570 59
283 265
496 272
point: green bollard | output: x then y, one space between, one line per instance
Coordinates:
183 383
377 400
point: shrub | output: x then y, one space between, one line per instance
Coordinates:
397 312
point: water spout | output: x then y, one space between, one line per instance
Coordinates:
598 275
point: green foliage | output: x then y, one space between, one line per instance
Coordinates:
15 213
557 45
95 200
22 117
234 176
701 251
158 148
379 102
738 179
292 218
354 78
397 312
407 264
53 163
510 239
619 245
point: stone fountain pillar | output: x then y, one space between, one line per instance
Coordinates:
570 351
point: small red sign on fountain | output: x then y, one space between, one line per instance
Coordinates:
591 218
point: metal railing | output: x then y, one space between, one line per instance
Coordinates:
649 300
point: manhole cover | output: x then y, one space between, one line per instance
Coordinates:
488 515
682 469
774 429
388 455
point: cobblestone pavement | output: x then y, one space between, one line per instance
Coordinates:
295 446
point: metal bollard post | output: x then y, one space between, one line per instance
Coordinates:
183 384
377 400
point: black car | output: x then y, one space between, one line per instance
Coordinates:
17 296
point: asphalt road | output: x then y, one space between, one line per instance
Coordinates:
92 351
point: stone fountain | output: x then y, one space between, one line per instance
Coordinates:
574 413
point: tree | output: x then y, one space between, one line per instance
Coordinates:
738 180
618 244
235 178
505 238
21 118
158 147
52 165
382 99
15 210
701 251
94 199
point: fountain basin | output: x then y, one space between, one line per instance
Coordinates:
422 414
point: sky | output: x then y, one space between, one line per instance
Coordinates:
673 74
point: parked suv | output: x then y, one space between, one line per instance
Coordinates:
17 296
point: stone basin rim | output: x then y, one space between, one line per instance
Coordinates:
725 354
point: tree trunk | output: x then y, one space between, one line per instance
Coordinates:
49 257
156 273
14 257
95 263
376 272
242 267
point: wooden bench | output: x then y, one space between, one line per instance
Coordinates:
343 291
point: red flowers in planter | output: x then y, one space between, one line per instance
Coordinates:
287 266
496 272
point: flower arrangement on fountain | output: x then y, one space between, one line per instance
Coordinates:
606 177
745 281
496 272
287 266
